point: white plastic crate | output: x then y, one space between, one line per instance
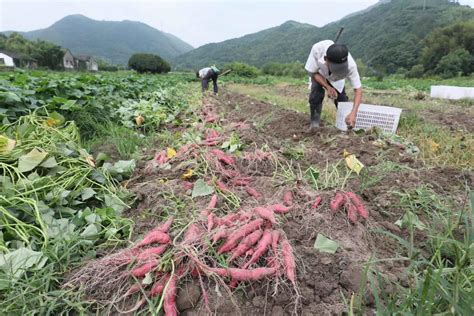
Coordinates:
383 117
452 92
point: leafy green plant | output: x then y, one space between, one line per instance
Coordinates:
233 144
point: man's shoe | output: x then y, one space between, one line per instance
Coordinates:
314 125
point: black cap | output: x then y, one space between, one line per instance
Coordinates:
337 53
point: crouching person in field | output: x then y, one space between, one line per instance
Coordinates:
328 66
207 74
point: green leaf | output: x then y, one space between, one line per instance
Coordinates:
17 262
147 280
31 160
91 231
325 244
10 97
49 163
6 144
102 157
87 193
201 189
68 105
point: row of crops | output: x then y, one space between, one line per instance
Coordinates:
60 205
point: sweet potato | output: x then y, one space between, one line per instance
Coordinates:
261 248
151 253
279 208
223 157
352 213
288 198
289 260
275 239
245 244
192 234
213 202
337 202
316 202
359 205
254 193
241 181
251 275
154 236
210 221
231 241
165 227
265 213
219 271
144 269
169 301
159 286
221 185
212 134
187 185
228 220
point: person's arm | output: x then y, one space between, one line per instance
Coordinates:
332 93
351 118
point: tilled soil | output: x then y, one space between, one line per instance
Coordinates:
324 280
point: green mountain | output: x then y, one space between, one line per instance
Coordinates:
386 36
110 40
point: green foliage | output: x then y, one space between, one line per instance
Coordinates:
112 40
105 66
294 70
242 70
456 62
46 54
388 36
57 205
148 63
444 41
416 71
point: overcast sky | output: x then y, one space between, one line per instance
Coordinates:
196 22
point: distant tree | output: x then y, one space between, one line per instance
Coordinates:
105 66
148 63
441 42
416 71
48 55
361 67
243 70
455 63
295 70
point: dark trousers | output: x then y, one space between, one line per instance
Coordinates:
316 98
205 81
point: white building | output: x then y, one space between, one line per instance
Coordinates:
68 60
6 60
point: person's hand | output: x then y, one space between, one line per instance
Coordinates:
351 120
332 93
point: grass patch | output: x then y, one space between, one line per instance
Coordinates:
440 278
438 146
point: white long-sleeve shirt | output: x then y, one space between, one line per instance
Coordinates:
203 73
317 64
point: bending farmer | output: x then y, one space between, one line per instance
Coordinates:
329 65
207 74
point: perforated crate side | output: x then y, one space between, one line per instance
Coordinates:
383 117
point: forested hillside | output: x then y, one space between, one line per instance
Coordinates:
387 37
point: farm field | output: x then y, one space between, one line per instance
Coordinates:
90 164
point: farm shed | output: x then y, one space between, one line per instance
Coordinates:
10 59
86 62
6 60
68 60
